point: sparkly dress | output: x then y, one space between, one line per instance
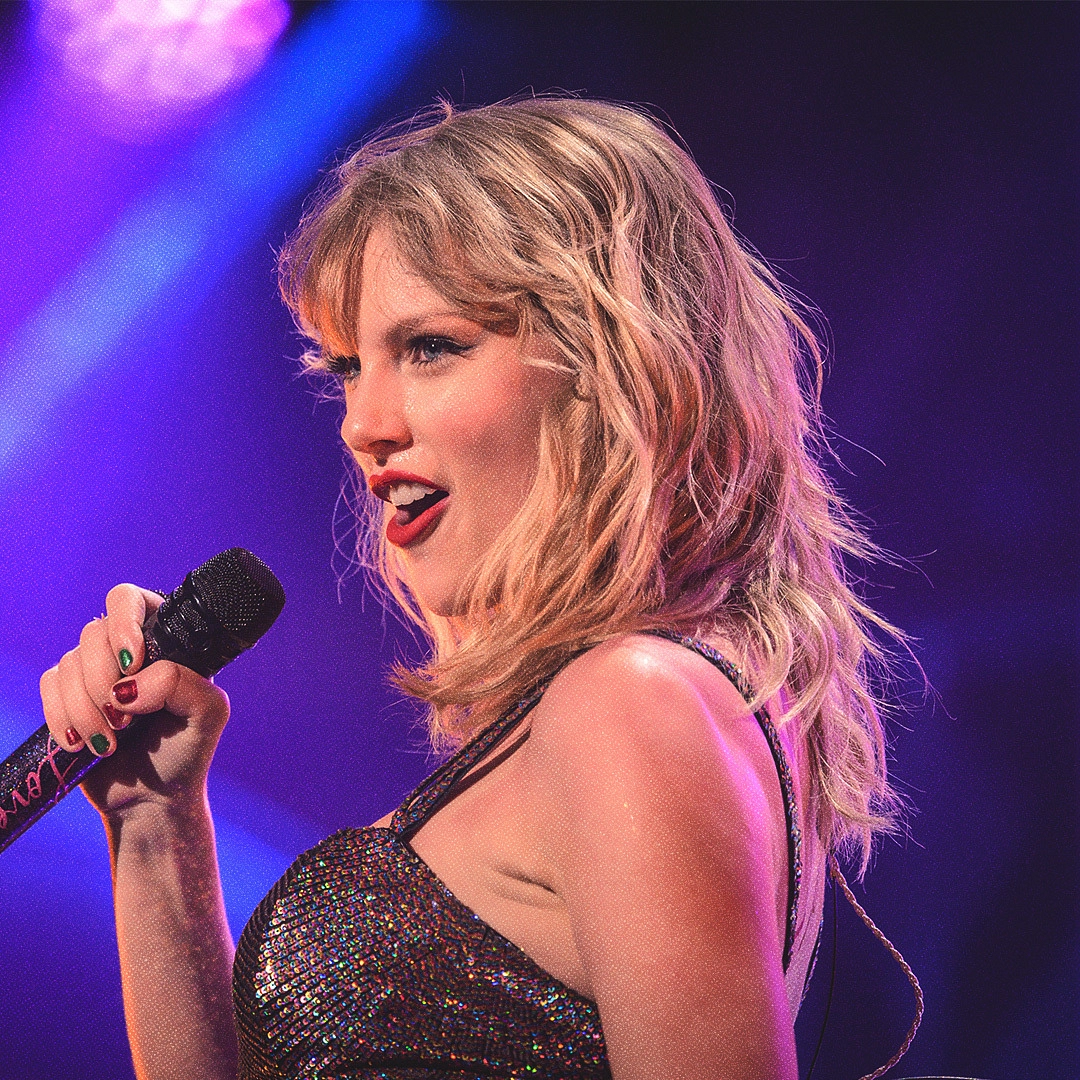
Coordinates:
360 963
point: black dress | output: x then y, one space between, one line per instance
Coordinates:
361 963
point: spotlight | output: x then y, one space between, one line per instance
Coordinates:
145 64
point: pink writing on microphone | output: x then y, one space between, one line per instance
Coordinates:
32 785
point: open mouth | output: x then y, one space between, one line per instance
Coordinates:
416 509
409 512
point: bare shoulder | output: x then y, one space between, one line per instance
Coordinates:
661 830
644 694
639 720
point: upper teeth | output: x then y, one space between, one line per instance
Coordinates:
403 494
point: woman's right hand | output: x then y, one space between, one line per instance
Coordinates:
88 697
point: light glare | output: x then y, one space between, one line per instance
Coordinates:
149 62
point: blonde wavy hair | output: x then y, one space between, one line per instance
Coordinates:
679 484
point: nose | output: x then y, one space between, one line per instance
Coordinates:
375 422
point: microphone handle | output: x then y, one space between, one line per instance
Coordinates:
35 778
41 772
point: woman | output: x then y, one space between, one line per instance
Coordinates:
591 478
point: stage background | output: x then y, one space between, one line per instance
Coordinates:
909 168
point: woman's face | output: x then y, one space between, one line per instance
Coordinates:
443 417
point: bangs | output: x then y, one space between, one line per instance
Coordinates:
321 268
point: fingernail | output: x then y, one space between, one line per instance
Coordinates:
72 736
125 658
100 744
116 718
125 692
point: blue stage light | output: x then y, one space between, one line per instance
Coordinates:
174 243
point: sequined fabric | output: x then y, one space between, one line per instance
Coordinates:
361 963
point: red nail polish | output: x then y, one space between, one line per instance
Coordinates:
116 718
72 736
125 692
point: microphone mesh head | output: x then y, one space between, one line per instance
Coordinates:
241 591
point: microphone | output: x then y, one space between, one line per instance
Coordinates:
222 608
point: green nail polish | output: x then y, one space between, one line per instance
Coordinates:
125 659
100 744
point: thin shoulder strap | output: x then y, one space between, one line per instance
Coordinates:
783 771
741 684
435 790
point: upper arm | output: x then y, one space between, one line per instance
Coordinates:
660 846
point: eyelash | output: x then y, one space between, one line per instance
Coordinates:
344 367
348 367
416 346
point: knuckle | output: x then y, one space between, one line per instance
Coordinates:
172 673
126 603
200 694
119 593
219 703
91 634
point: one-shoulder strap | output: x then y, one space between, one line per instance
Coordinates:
783 769
433 791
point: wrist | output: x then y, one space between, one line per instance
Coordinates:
159 813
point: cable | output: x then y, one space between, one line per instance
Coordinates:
834 870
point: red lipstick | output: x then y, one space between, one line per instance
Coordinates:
380 483
402 534
410 522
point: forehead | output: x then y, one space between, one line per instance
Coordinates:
392 293
377 293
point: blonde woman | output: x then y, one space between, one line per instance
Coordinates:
586 417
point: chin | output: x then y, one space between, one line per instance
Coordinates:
440 601
436 580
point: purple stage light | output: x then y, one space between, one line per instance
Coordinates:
144 65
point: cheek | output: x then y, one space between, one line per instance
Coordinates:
489 433
510 443
501 470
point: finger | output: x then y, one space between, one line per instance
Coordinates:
100 669
128 607
177 690
55 715
83 714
